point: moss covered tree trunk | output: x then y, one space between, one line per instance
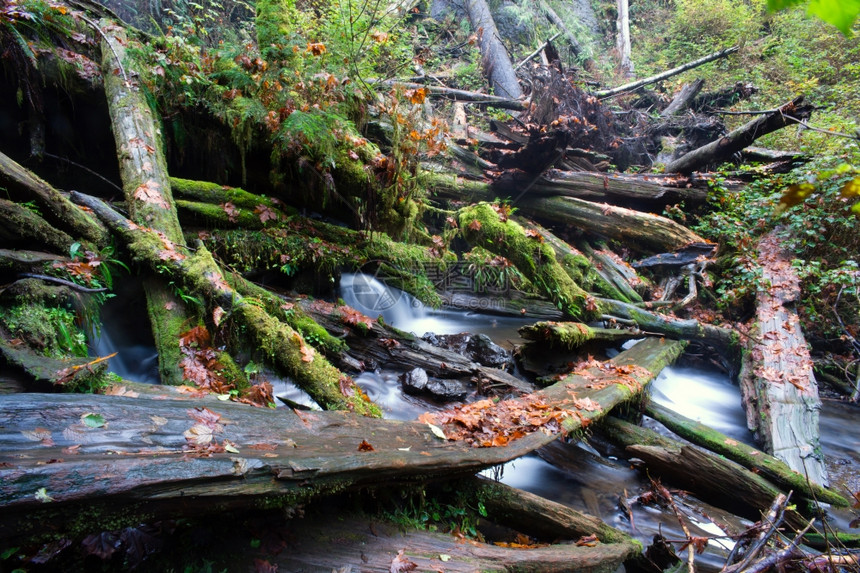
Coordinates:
143 170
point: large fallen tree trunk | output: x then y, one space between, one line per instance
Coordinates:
644 230
130 459
723 148
778 384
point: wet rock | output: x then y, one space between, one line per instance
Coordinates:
418 382
476 347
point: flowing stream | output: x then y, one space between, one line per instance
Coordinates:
574 474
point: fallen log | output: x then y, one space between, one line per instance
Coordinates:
459 95
780 393
615 270
159 454
59 211
723 148
621 187
603 94
712 478
482 225
572 335
571 39
19 225
642 231
765 465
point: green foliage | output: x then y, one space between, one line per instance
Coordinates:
53 331
702 26
840 13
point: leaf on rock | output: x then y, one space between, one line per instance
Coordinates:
437 431
365 446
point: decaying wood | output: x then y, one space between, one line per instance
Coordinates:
778 385
709 477
162 449
21 225
572 335
723 148
615 270
667 74
765 465
381 548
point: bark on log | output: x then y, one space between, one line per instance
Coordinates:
286 457
615 270
622 43
143 170
778 385
641 231
726 146
59 211
765 465
494 56
621 187
667 74
712 478
592 277
199 274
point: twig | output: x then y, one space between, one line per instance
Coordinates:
855 136
64 282
536 52
774 517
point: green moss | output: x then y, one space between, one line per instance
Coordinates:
481 225
52 331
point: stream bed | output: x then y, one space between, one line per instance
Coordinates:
588 477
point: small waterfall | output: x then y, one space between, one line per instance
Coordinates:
370 296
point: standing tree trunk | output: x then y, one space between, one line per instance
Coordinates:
623 39
494 57
143 169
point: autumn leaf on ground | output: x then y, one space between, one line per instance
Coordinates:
316 48
307 353
401 563
217 315
586 404
587 541
353 317
199 434
365 446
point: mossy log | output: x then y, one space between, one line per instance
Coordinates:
780 393
589 276
482 226
143 170
55 207
615 270
709 477
765 465
71 374
199 273
572 335
640 231
723 340
19 225
160 466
